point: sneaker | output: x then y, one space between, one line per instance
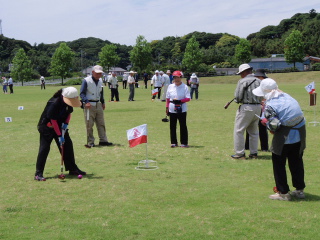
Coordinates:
174 145
280 196
253 155
298 194
77 172
90 145
39 177
184 146
105 143
236 156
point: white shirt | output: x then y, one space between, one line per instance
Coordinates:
10 81
166 80
157 80
113 81
178 93
131 79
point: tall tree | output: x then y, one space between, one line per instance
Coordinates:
140 55
62 61
176 53
21 66
192 56
294 48
108 56
243 51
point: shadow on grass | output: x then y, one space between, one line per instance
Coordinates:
113 145
196 146
268 157
309 198
74 177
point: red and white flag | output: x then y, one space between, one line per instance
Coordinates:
137 135
155 91
310 88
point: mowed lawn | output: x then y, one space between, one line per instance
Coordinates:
197 193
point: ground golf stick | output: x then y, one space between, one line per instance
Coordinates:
88 117
62 176
228 103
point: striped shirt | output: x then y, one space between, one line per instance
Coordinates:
243 93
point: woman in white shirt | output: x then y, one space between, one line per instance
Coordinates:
176 107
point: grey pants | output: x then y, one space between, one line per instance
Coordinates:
246 120
131 92
95 117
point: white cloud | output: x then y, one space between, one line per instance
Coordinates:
121 21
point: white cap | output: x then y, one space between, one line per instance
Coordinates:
157 71
193 75
266 86
71 97
97 69
168 71
243 67
161 72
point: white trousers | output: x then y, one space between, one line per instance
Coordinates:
246 120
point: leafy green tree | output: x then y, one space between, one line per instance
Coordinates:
62 61
192 56
21 66
176 53
108 56
140 55
243 51
294 48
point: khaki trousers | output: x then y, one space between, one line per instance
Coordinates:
96 116
246 120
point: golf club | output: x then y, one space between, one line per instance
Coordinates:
228 103
87 126
62 176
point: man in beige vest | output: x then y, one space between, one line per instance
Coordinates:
91 94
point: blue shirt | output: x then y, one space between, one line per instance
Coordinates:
289 113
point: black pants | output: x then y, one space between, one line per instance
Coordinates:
263 136
114 94
43 85
124 84
295 161
159 93
46 137
182 117
146 84
11 88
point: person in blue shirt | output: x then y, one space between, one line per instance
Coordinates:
285 120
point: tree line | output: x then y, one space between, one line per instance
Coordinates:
196 51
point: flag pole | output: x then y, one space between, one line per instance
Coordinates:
147 162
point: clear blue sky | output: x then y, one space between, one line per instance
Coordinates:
121 21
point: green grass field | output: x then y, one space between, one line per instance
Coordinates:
197 193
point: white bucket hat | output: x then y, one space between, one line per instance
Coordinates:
97 69
243 67
268 89
71 97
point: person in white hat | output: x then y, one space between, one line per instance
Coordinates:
113 85
194 85
42 82
91 94
245 116
284 118
157 81
55 118
131 82
166 83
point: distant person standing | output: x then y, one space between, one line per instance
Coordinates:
42 82
246 114
113 85
10 83
194 85
157 81
124 80
166 83
4 85
91 93
136 79
131 83
145 79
